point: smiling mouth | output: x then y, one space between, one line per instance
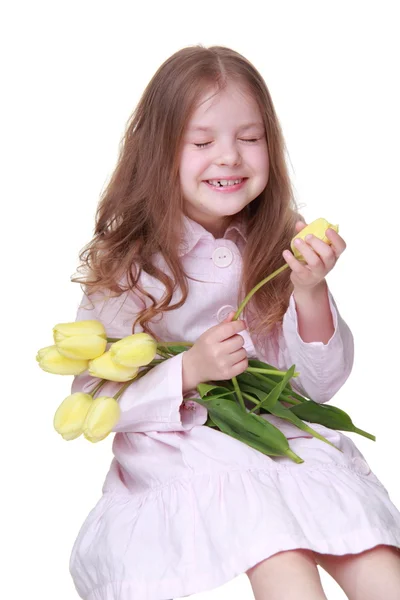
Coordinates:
225 182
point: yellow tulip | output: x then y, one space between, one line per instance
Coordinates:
317 228
105 368
81 339
71 414
103 414
134 350
52 361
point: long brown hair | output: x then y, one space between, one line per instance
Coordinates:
138 212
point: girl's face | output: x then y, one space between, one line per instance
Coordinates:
224 162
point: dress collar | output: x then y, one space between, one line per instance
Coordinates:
194 232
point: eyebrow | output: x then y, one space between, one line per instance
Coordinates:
242 128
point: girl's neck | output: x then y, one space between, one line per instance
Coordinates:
216 228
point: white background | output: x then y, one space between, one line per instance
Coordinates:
72 74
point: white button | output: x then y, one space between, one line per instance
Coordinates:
224 312
222 257
361 465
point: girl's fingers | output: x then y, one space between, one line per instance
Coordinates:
310 256
229 317
234 343
239 367
299 226
326 253
238 356
294 264
338 243
226 330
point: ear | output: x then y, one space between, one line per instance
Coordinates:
299 226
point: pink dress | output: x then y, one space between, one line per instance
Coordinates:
186 508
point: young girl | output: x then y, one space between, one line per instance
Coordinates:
198 211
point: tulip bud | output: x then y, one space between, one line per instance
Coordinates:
103 414
134 350
71 414
52 361
105 368
81 339
317 228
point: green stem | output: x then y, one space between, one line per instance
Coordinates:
162 353
249 397
97 387
165 344
284 397
238 393
256 288
174 344
268 371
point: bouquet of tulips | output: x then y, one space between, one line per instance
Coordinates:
82 345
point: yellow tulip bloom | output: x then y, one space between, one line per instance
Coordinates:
81 339
105 368
134 350
103 414
52 361
71 414
317 228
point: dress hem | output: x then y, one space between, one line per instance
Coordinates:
171 589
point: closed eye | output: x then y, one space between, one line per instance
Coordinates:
205 144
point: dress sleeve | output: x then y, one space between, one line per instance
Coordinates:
153 402
323 368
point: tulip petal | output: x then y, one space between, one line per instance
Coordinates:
84 347
103 414
51 361
89 327
105 368
134 350
71 436
71 414
317 228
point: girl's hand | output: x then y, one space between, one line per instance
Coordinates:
320 258
217 354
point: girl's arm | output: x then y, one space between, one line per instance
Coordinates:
321 346
314 315
153 402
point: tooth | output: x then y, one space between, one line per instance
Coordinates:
224 182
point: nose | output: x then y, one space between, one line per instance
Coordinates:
228 155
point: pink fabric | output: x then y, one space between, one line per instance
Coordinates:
185 508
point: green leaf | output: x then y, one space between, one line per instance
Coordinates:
260 394
285 413
248 428
206 388
210 422
329 416
273 396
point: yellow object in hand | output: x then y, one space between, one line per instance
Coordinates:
317 228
